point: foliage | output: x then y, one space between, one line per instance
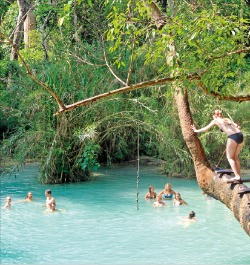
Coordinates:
9 15
76 33
88 160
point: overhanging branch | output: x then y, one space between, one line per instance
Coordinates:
222 97
146 84
32 76
243 50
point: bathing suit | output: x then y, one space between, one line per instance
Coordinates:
151 197
167 196
237 137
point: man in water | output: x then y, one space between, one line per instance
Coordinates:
49 200
29 197
8 202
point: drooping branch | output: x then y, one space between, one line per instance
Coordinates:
110 69
125 89
131 63
157 16
32 76
223 97
226 54
64 108
85 61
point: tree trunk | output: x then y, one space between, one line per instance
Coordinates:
29 25
23 9
208 180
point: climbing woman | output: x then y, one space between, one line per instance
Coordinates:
234 139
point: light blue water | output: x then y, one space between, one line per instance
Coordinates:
98 223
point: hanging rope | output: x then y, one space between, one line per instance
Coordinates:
138 157
218 164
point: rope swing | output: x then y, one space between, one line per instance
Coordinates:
138 157
218 164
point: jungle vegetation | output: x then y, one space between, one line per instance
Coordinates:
83 48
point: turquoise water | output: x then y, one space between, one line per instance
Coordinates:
98 223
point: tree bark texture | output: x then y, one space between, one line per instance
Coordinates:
208 180
29 25
18 33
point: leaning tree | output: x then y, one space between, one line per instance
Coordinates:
194 44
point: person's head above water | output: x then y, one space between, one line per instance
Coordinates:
29 196
191 215
168 186
151 189
48 192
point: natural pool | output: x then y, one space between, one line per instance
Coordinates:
98 223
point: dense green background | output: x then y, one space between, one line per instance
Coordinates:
70 146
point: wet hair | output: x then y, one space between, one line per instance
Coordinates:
29 193
150 188
177 194
48 191
191 214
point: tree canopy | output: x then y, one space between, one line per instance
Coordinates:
115 54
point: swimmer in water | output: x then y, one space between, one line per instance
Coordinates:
190 219
178 200
168 192
49 199
8 202
29 197
159 202
151 193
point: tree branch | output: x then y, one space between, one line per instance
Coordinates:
32 76
221 97
84 61
126 89
247 49
110 69
131 63
20 21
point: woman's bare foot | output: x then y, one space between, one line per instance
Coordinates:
235 178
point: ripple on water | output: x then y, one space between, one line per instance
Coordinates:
98 223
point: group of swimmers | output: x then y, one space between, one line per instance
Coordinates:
50 201
167 194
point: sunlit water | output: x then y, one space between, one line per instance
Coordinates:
98 223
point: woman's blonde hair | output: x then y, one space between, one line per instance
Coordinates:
169 185
219 114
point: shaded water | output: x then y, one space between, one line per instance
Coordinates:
98 223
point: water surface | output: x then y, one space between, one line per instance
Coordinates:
98 223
